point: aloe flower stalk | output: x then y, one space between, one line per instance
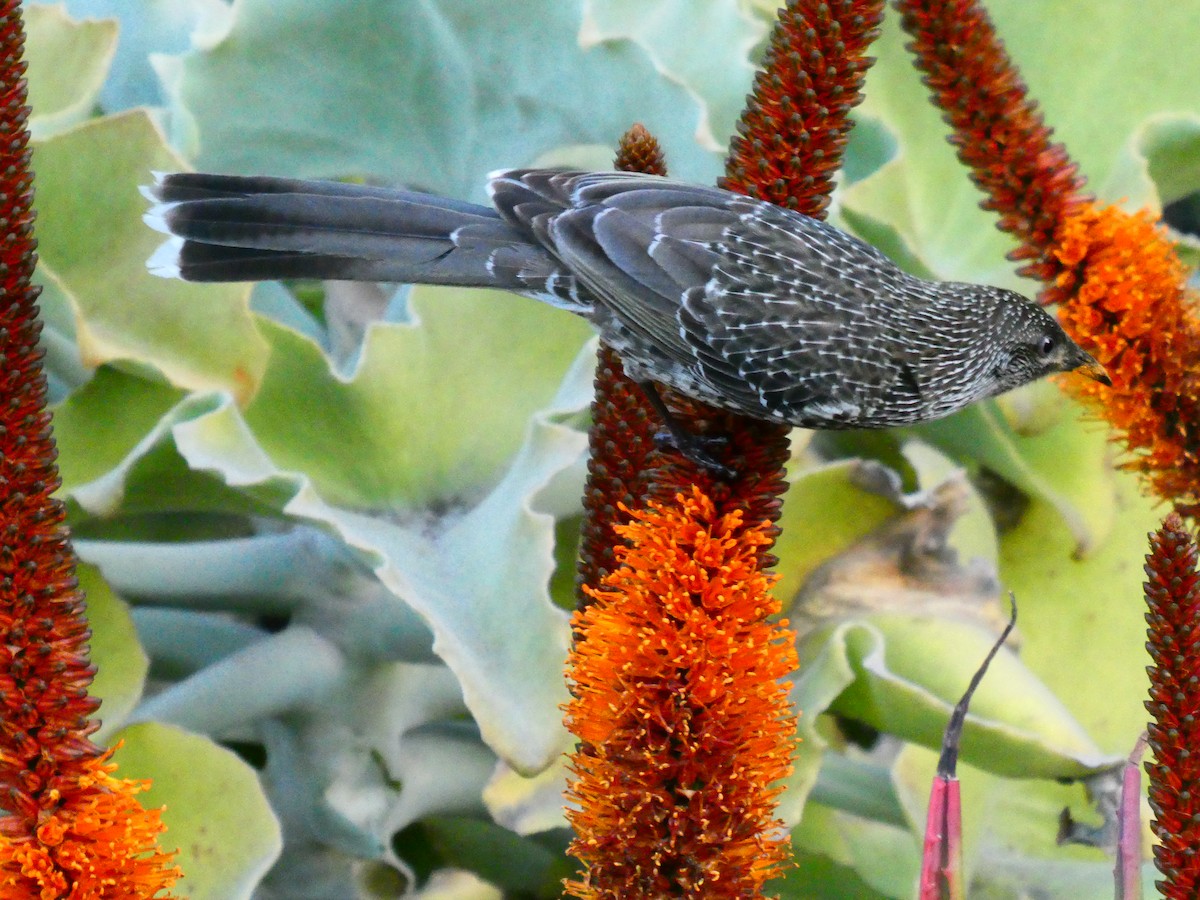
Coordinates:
68 827
1173 640
676 674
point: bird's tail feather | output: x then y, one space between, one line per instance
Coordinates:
230 228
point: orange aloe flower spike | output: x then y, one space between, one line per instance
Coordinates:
67 827
792 134
997 130
1123 296
684 726
1114 276
621 439
683 720
1173 639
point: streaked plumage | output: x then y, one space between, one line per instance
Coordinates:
738 303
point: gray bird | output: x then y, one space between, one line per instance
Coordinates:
738 303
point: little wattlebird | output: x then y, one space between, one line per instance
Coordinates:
738 303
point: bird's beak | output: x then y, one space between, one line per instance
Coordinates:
1093 369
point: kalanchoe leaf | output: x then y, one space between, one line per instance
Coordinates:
395 772
844 854
120 661
714 75
68 62
479 578
1068 465
369 442
530 805
274 676
908 675
213 805
524 85
136 76
131 484
826 672
200 339
904 566
832 495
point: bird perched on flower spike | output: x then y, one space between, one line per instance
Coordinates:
735 302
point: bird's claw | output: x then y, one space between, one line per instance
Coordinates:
695 448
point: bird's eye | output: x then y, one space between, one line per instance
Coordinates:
1046 345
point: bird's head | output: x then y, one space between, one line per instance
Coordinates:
1031 344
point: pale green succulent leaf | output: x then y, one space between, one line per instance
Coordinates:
90 235
121 664
68 61
435 95
911 670
215 811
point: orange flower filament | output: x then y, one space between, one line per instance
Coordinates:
98 843
1122 295
678 700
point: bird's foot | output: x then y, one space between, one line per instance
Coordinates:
695 448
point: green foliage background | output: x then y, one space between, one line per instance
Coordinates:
330 536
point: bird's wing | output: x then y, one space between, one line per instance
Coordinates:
777 310
794 316
638 267
637 242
